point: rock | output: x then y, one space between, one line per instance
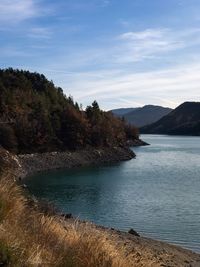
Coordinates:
33 163
133 232
136 142
66 215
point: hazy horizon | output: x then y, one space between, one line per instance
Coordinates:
123 54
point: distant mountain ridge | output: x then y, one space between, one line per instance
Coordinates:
122 111
184 120
143 115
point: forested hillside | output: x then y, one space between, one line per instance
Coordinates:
36 116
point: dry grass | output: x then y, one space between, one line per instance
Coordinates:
32 238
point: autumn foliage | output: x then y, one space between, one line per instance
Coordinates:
36 116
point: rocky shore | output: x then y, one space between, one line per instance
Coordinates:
138 142
32 163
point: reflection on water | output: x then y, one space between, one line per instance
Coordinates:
157 193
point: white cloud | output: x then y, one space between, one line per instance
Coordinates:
115 81
131 48
111 75
144 35
14 11
168 87
151 43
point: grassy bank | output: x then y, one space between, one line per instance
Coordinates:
29 237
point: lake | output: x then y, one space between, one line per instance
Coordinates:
157 193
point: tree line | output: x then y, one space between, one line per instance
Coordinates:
36 116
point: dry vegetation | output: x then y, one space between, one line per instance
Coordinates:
30 238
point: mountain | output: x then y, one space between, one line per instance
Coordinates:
142 116
184 120
146 115
122 111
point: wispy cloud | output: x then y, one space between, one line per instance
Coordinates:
109 73
131 48
135 47
40 32
144 35
125 23
10 51
151 43
85 6
168 87
14 11
105 3
120 62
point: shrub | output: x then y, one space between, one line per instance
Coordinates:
6 255
8 139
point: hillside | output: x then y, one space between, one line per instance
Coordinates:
184 120
36 116
122 111
144 115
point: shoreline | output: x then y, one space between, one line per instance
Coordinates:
39 162
141 251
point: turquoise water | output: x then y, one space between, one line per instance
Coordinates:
157 193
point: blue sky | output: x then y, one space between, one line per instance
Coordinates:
122 53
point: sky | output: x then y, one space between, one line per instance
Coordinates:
121 53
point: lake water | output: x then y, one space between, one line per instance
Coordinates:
157 193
